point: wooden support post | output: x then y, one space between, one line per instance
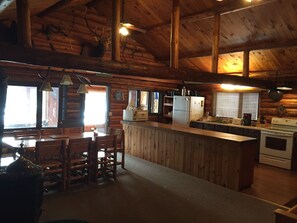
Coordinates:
24 23
216 43
174 38
246 63
3 91
116 20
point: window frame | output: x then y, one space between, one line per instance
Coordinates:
240 104
39 103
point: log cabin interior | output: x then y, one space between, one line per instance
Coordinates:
65 65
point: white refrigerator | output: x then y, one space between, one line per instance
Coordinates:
187 108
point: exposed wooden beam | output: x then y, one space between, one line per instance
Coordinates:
233 6
58 6
246 63
216 43
241 48
174 37
24 23
4 4
12 53
115 27
92 3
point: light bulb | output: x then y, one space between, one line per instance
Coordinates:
124 31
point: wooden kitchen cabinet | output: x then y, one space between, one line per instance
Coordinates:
208 126
237 131
222 128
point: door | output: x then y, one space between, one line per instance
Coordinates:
181 103
96 104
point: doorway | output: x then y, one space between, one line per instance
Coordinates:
96 104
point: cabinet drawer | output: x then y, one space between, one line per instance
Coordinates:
252 133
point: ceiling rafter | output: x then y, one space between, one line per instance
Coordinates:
233 6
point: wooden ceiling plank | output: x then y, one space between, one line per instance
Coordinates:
233 6
58 6
4 4
233 49
13 53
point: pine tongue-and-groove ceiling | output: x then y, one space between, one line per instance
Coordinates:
268 30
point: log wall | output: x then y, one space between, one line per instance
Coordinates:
21 74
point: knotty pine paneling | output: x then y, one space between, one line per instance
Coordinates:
223 162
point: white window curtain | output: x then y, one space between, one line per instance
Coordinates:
227 104
250 102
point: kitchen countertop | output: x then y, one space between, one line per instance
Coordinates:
261 127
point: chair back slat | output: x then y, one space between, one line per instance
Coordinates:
105 142
79 145
50 150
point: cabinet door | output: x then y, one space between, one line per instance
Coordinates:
222 128
197 125
207 126
237 131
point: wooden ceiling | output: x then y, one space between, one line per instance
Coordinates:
266 28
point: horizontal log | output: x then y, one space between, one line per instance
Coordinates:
14 53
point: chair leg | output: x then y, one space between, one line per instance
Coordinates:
123 159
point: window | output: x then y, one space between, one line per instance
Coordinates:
50 108
95 114
147 100
144 100
233 105
21 107
155 102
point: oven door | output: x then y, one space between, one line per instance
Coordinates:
277 144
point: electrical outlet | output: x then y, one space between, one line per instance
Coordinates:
109 113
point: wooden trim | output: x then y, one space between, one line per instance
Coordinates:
115 37
24 23
216 43
246 63
174 38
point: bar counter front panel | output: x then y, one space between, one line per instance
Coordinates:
221 158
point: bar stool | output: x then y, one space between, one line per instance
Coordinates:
50 155
105 156
78 159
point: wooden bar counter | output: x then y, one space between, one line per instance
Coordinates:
221 158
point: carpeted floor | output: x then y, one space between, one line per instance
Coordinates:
147 192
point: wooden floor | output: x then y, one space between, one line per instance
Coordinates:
273 184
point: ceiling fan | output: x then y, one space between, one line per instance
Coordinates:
126 26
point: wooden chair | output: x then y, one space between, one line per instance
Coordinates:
105 153
27 134
51 131
120 143
78 159
51 156
286 216
72 130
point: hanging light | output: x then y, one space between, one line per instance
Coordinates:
46 86
66 80
82 89
124 31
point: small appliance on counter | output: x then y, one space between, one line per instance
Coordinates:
247 119
237 121
135 115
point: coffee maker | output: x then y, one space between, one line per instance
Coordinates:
247 119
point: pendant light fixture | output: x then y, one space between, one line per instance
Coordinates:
82 89
66 80
46 85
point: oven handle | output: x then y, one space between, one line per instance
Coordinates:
276 134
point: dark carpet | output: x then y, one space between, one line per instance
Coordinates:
147 192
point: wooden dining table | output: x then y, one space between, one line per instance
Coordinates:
28 143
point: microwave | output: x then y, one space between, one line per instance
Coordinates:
135 115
